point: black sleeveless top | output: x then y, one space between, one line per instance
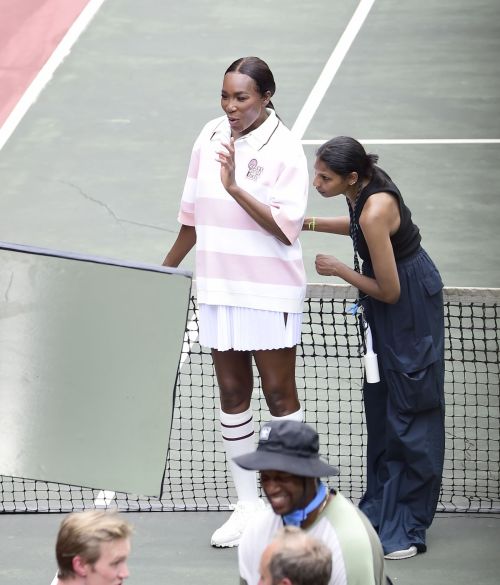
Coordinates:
406 240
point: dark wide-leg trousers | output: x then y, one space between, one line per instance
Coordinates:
405 410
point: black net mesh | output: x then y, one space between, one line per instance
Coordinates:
329 379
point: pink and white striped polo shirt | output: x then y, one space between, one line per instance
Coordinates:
238 263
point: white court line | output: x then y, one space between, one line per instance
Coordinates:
417 141
45 74
330 69
105 497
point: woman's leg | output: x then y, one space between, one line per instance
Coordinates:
277 371
375 405
409 340
235 379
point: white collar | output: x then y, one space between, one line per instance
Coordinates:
262 134
256 138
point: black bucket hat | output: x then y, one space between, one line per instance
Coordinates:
289 446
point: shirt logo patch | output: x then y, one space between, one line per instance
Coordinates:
254 170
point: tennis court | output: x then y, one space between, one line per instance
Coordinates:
97 164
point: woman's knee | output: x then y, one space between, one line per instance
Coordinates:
235 397
282 400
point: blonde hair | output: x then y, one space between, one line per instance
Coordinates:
81 534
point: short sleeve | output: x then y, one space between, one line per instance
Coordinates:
289 196
257 535
245 556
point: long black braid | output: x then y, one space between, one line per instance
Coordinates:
354 229
354 233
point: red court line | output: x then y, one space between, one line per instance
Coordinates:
30 30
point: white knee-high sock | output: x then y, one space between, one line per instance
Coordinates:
297 415
238 438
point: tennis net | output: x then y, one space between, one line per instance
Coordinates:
329 379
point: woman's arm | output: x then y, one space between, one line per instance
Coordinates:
379 219
259 212
185 241
330 225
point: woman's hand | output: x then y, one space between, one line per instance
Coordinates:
257 210
327 265
379 220
227 165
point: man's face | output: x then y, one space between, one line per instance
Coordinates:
111 568
286 492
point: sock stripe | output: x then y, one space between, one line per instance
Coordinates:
238 438
236 426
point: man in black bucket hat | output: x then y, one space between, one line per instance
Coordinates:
287 458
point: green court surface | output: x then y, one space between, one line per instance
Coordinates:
98 163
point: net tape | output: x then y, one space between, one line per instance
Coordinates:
329 381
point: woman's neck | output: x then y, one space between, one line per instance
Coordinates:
354 192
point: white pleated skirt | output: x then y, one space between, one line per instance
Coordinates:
243 329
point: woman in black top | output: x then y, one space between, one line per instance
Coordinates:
401 298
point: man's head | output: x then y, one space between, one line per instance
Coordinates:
92 547
287 457
295 558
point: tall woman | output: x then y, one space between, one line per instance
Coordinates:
401 295
243 206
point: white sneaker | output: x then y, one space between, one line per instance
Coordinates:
402 554
230 532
